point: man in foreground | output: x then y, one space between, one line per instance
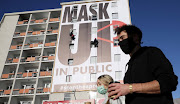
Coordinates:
150 78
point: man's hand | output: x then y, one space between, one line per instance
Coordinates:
118 89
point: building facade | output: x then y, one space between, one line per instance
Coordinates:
58 54
27 55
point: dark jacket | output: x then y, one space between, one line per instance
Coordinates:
148 64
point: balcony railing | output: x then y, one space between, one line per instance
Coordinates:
6 76
43 90
5 92
16 46
19 34
22 22
26 75
45 73
50 44
39 20
12 60
53 19
40 32
30 59
52 31
23 91
33 45
46 58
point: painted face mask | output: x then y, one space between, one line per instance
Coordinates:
127 45
101 90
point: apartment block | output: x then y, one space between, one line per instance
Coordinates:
28 44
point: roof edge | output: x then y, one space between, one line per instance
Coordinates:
35 11
85 1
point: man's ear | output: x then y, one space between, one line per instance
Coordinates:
136 39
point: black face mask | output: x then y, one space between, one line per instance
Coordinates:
127 45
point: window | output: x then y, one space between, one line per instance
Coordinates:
70 61
9 87
51 54
94 17
28 86
67 96
93 59
25 102
75 8
74 32
16 55
117 57
74 19
68 78
71 46
93 77
114 4
116 42
47 85
118 75
114 15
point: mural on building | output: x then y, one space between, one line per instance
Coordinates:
87 45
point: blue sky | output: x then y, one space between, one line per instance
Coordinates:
159 21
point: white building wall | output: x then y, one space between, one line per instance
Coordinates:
7 27
56 97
